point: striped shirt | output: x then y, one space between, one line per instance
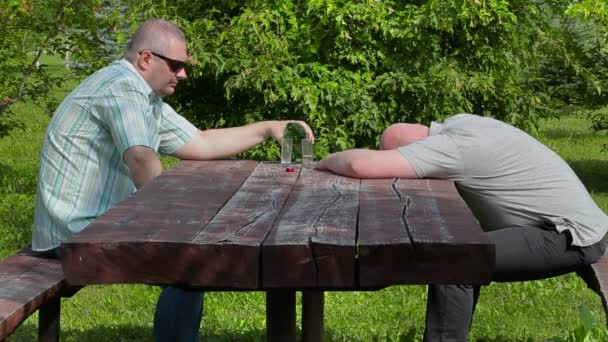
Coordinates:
82 171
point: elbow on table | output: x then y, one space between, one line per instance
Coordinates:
143 164
378 164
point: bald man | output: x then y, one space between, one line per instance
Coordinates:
401 134
102 144
535 209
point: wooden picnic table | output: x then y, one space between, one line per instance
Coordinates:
245 225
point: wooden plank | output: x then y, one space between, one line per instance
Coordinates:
383 238
142 239
312 243
449 243
26 284
436 239
229 247
596 278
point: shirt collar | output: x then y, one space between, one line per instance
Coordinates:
151 95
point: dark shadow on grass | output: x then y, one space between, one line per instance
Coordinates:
120 333
126 333
504 339
412 335
593 173
29 332
131 333
567 132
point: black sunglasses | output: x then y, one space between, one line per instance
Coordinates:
174 64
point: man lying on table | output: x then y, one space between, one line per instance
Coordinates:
101 145
533 206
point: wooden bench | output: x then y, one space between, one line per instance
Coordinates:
596 277
29 283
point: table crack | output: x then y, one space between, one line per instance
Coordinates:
405 202
315 227
246 227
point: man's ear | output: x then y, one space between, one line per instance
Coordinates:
144 60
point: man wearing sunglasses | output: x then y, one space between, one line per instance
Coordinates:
102 144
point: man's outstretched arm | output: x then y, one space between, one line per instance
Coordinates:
227 142
361 163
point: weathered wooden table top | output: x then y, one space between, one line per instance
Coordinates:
240 224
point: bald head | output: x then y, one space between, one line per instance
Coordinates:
155 35
401 134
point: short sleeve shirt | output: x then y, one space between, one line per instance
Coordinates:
506 177
82 170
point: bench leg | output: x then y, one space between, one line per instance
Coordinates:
312 316
48 321
281 316
596 278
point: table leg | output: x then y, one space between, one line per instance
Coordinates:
280 315
312 316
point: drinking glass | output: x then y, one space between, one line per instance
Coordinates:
286 144
307 153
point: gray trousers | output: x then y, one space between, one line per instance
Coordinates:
522 253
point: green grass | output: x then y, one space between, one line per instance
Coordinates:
545 310
571 137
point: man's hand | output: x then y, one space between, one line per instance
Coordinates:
277 128
226 142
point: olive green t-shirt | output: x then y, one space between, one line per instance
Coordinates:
506 177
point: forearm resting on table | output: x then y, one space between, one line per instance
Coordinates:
144 165
224 142
360 163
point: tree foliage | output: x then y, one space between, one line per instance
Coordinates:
350 68
593 57
31 28
578 74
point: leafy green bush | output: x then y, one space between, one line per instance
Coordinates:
578 75
32 29
350 68
599 119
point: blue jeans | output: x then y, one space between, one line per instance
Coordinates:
178 315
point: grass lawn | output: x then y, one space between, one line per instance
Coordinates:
547 310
